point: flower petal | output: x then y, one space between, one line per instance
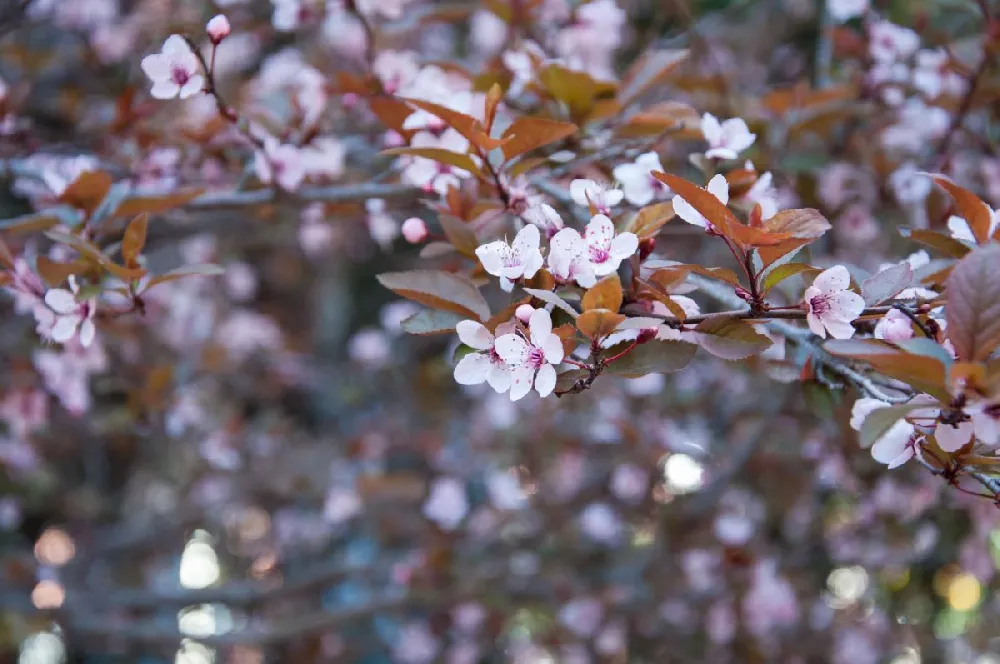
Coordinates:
845 305
624 245
64 329
472 369
474 334
540 326
512 349
61 301
599 232
521 381
837 278
862 408
87 333
156 66
839 329
527 241
491 256
545 381
894 443
498 377
718 186
553 350
687 212
579 188
952 438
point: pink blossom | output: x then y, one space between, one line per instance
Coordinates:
520 259
414 230
718 186
726 140
831 306
569 258
602 196
446 504
532 359
933 77
342 504
888 42
523 312
218 28
485 366
396 69
433 175
246 332
175 71
638 183
844 10
280 163
857 225
67 374
897 445
26 287
315 235
606 249
545 217
65 317
894 326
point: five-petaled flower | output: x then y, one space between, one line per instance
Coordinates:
485 366
830 305
726 140
569 259
174 71
718 186
520 259
638 183
532 360
602 196
545 217
281 163
65 317
605 249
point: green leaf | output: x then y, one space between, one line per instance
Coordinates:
430 321
730 338
886 284
946 244
439 290
781 272
652 357
973 310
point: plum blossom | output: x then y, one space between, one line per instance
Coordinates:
545 217
485 366
897 445
532 360
762 193
831 306
520 259
447 504
67 374
175 71
65 317
602 196
414 230
281 163
26 287
718 186
605 249
638 184
395 69
845 10
569 258
218 28
894 326
726 140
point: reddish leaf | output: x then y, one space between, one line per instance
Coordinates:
669 277
598 323
730 338
605 294
456 159
87 191
923 373
156 204
650 219
466 125
970 206
805 223
652 357
206 270
493 98
528 133
774 253
459 233
701 200
134 239
973 310
55 273
439 290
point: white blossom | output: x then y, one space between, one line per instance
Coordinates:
65 317
606 249
485 366
532 360
520 259
174 71
830 306
726 140
638 184
602 196
569 260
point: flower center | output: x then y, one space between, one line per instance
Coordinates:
179 75
599 255
820 305
511 259
536 357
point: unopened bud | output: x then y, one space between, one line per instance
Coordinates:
218 28
646 247
743 294
393 139
414 230
523 312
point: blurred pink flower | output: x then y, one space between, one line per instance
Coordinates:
175 71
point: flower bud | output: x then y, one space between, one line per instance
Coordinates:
414 230
523 312
218 28
646 247
646 334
